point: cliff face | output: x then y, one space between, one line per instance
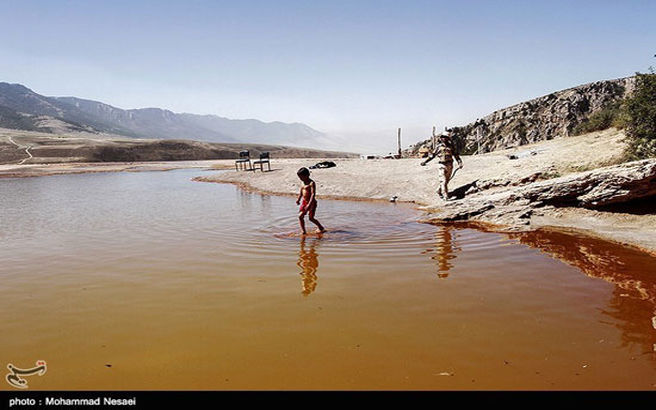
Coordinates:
543 118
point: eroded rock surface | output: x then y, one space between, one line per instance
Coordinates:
514 205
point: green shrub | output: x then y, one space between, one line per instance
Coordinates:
610 116
641 117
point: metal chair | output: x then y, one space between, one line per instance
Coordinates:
244 157
264 159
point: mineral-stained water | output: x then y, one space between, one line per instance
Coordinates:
134 281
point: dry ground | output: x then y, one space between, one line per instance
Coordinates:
410 182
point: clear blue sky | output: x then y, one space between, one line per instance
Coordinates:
349 68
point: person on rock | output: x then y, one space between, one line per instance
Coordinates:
445 150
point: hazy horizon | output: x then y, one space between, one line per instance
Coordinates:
353 70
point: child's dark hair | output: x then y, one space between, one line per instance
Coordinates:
303 172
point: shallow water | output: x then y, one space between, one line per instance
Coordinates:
152 281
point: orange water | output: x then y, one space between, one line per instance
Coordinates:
151 281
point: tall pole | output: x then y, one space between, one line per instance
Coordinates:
433 140
399 142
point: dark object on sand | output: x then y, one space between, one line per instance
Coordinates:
244 157
264 159
324 164
523 154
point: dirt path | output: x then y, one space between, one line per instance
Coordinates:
25 147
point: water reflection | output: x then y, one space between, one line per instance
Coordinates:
245 198
445 250
308 261
266 202
633 302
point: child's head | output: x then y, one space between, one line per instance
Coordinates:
303 174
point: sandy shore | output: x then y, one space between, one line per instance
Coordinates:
410 182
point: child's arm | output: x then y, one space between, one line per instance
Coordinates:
456 155
313 191
430 158
300 194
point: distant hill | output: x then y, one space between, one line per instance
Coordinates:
36 107
22 108
15 120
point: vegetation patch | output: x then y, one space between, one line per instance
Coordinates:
636 114
610 116
640 114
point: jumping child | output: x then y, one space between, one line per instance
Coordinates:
309 202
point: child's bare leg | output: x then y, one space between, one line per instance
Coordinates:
314 221
301 221
318 224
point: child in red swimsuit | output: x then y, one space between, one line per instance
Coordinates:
309 202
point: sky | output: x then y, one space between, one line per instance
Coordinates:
356 69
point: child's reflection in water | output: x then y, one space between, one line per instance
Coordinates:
308 261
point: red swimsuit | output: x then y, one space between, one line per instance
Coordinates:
305 206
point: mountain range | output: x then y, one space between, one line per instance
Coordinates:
24 109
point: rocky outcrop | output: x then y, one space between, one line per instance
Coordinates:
514 205
543 118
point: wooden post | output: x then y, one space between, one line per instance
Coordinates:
433 140
399 142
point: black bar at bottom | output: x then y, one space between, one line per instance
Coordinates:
402 399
